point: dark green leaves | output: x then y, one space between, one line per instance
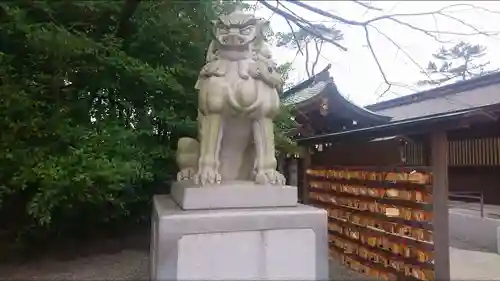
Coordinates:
90 118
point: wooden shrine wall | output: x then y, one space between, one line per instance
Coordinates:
374 153
380 219
478 151
474 165
480 174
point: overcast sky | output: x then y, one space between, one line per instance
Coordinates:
355 71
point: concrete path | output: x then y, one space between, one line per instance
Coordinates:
474 265
474 209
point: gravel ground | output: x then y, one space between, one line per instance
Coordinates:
125 265
133 265
467 262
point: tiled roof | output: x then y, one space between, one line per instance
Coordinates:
475 98
323 75
403 127
473 93
322 83
305 94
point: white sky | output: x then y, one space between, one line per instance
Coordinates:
355 72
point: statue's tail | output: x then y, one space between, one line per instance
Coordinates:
187 144
187 153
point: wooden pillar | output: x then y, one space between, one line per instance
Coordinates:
427 151
282 165
305 163
439 161
286 169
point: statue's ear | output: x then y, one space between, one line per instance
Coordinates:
214 26
263 26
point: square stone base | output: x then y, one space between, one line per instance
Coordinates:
236 194
287 243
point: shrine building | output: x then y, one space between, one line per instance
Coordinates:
393 132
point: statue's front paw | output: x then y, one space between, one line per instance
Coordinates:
270 177
186 174
207 176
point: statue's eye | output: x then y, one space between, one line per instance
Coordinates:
223 30
246 30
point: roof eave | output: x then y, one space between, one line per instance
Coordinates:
447 121
360 112
323 75
458 87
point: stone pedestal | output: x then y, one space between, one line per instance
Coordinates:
273 243
235 194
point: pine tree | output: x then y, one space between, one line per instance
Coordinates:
457 63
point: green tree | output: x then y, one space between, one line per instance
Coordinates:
285 69
95 95
285 121
457 63
93 102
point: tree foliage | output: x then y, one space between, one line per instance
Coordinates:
95 95
91 112
285 70
457 63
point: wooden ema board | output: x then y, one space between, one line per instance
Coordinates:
379 221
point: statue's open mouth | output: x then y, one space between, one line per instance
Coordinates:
233 40
237 48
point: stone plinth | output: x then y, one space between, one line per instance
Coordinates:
236 194
285 243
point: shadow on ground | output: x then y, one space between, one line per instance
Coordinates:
128 259
112 259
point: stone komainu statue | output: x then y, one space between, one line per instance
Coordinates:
237 101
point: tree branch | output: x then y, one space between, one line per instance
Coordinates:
301 23
479 32
366 24
294 37
290 16
402 50
128 10
319 46
426 32
368 6
312 29
390 16
274 13
307 60
368 41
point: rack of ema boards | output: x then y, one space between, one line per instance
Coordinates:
379 219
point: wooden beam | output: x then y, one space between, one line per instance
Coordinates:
286 169
305 163
439 158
